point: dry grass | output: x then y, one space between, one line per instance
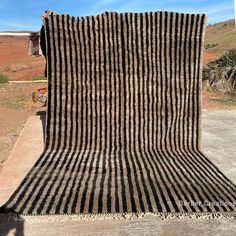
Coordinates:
217 101
221 37
17 103
16 67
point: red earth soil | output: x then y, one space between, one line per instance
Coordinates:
209 56
14 59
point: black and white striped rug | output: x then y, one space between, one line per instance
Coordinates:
124 120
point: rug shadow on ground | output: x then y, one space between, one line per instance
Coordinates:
42 115
10 225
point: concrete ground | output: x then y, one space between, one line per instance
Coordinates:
218 141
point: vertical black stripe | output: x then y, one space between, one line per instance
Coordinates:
90 112
48 125
109 190
133 35
104 155
124 20
92 195
79 157
124 201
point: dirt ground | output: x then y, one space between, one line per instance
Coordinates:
15 107
209 56
15 99
14 59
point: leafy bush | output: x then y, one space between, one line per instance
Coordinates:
39 77
208 46
3 78
221 74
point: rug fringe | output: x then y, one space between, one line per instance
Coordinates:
122 216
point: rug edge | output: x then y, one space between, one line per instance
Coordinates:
116 216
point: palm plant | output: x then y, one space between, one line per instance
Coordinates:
221 74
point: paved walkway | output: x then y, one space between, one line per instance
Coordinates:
219 143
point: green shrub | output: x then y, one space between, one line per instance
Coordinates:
39 77
221 74
211 45
3 78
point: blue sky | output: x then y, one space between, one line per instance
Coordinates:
25 14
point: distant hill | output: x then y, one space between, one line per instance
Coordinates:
220 37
